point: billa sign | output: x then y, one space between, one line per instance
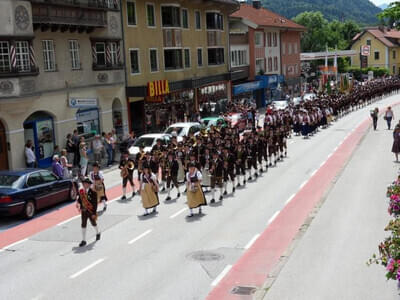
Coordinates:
156 90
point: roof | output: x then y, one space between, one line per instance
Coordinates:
382 34
18 172
265 17
184 124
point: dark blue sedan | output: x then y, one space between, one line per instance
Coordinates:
28 190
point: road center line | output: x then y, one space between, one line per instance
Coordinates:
221 275
251 242
87 268
291 142
13 244
178 213
273 217
140 236
290 198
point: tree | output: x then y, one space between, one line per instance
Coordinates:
391 15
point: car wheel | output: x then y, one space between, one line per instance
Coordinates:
72 192
29 209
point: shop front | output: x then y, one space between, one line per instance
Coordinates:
250 90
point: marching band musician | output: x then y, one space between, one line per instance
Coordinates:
171 170
216 171
96 176
229 170
87 206
205 167
195 195
148 190
241 157
127 167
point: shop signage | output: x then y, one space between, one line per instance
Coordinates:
248 87
365 50
157 88
82 102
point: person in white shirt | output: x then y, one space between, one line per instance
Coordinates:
30 157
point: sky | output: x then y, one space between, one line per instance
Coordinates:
379 2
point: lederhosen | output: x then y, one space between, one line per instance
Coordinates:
88 207
172 168
217 171
229 167
252 162
241 157
260 150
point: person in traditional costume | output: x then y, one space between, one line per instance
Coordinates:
195 195
171 170
216 171
96 176
127 166
87 205
148 190
240 163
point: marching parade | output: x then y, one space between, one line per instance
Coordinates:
221 157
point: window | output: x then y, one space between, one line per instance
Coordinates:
34 179
289 48
100 54
295 48
200 57
187 58
151 21
260 65
131 12
296 69
216 56
368 42
173 59
4 57
49 59
394 54
153 60
113 53
185 18
48 176
239 58
74 54
22 56
214 21
275 63
197 19
134 58
269 64
258 37
284 70
275 39
376 55
269 39
394 69
283 48
171 16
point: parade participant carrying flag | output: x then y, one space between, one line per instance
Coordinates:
87 206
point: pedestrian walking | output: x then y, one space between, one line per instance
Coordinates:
87 206
396 142
195 195
148 190
30 157
389 116
374 115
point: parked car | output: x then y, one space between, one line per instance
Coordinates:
147 141
309 96
214 121
296 100
183 129
281 104
237 120
27 190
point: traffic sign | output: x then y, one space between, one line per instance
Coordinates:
365 50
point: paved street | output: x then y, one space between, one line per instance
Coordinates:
168 256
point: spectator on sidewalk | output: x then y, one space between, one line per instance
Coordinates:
84 160
389 116
70 147
57 167
30 157
116 143
109 149
75 139
66 166
396 142
374 116
98 148
113 141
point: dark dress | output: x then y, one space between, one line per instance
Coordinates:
396 142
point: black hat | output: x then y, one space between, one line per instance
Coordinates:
146 166
86 180
95 164
192 165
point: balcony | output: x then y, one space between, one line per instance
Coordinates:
93 4
33 71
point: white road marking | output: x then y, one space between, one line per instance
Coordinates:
290 198
251 242
330 154
13 244
140 236
334 150
178 213
291 142
324 162
273 217
68 220
221 275
313 173
38 297
87 268
303 184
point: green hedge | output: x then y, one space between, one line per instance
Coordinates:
357 72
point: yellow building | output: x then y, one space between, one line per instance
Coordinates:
383 45
182 49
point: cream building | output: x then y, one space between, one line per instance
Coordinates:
61 68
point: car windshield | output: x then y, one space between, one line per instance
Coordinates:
171 129
9 181
144 142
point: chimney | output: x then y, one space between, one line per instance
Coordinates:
257 4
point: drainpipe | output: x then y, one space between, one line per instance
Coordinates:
124 62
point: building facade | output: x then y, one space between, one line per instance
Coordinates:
177 58
61 68
264 48
381 49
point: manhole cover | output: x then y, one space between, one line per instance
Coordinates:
205 256
243 290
